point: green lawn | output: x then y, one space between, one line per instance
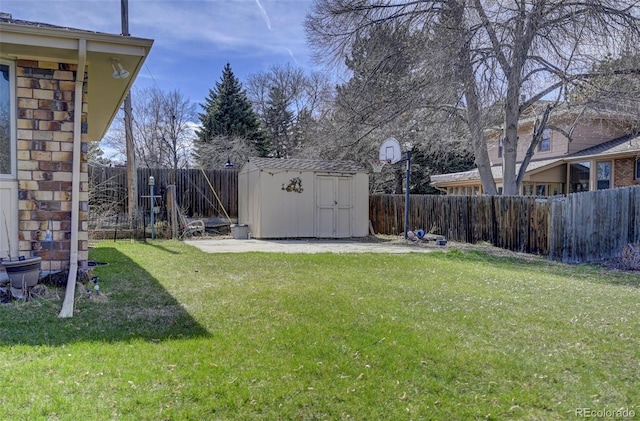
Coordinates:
179 334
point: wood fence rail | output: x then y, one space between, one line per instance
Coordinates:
194 195
582 227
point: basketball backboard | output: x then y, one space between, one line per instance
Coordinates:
390 151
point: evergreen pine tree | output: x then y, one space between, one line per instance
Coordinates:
229 119
279 122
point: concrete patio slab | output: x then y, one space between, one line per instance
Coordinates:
228 245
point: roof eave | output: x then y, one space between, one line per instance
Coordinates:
105 94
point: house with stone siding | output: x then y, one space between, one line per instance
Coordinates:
583 149
60 88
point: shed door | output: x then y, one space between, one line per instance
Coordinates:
334 206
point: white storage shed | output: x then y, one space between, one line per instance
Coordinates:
298 198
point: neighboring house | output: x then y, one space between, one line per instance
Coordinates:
59 89
603 153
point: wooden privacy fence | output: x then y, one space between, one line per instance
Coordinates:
594 225
194 195
510 222
579 228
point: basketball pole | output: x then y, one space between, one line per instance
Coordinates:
391 152
406 196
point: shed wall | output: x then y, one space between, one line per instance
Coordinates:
274 205
360 215
286 214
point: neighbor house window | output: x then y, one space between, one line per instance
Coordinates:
555 189
545 143
500 148
7 146
638 169
603 172
579 173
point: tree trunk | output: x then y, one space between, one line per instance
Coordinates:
454 14
510 143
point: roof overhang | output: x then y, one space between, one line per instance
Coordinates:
473 176
104 93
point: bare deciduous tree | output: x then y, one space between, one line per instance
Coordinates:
386 97
306 97
512 52
224 150
163 129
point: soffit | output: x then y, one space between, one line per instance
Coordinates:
104 93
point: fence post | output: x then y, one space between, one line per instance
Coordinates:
172 209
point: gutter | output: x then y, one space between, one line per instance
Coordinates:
69 296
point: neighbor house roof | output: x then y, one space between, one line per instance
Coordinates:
620 146
307 164
26 40
570 113
496 171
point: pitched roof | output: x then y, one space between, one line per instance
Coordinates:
624 144
7 18
496 171
307 164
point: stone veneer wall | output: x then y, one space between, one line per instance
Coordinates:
45 111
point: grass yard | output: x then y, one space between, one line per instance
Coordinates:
179 335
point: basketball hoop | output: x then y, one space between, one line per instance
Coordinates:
377 165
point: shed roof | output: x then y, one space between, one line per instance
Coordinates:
307 164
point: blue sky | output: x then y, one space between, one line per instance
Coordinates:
194 39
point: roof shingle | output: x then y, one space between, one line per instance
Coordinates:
307 164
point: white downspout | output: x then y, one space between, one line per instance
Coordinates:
69 296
